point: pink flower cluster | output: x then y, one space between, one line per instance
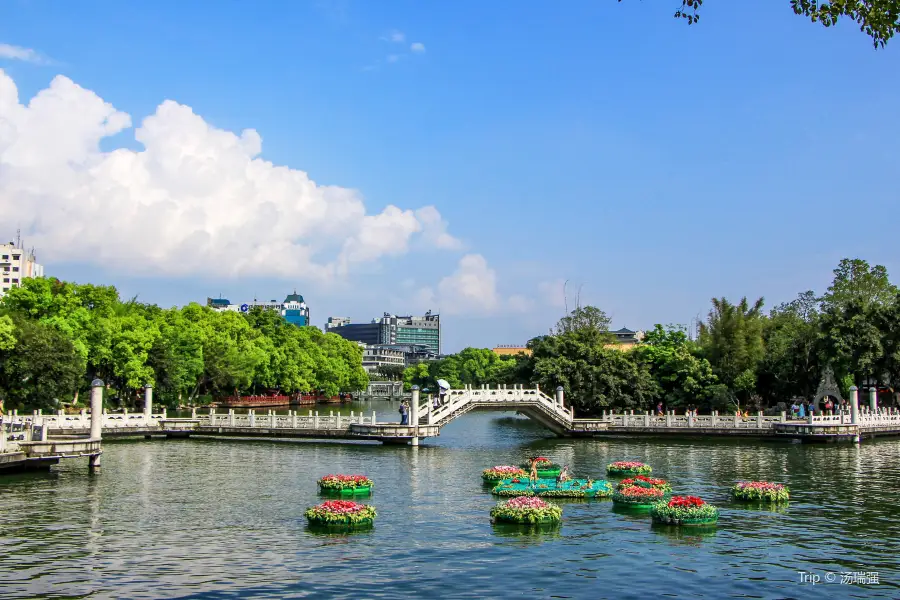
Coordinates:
506 469
341 506
626 464
526 502
760 485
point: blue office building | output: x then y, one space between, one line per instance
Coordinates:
294 309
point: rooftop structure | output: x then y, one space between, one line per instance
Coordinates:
17 264
294 309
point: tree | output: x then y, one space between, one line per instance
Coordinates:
43 369
588 318
791 365
732 341
684 379
391 372
879 19
7 333
856 282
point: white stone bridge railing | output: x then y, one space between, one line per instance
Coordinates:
515 397
293 420
690 421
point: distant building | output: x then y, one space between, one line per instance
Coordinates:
294 309
511 350
626 338
17 264
392 330
336 322
375 357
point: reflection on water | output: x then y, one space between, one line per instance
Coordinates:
208 518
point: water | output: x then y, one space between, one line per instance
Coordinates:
209 518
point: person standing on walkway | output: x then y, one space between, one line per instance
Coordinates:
404 413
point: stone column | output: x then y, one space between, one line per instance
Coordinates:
96 409
560 396
148 401
873 398
96 420
854 405
427 413
414 415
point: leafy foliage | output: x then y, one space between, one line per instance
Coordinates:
184 352
878 19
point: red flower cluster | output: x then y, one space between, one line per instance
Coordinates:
760 485
341 506
685 502
649 480
634 491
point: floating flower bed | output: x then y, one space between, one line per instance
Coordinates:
545 467
532 511
645 482
627 467
760 491
502 472
346 485
573 488
684 510
341 513
635 495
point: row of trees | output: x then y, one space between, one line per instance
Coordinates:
55 337
743 357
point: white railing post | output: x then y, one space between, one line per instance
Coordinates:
560 396
251 414
668 418
414 415
271 418
783 417
231 417
373 418
873 398
148 402
212 416
854 405
647 418
737 422
96 409
759 419
193 412
293 419
690 418
316 420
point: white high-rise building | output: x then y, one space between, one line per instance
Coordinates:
17 264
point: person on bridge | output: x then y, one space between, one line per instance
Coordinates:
404 413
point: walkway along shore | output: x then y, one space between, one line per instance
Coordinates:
45 439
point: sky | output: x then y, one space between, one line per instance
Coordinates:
471 158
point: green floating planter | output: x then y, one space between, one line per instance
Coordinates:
345 485
645 482
502 472
626 467
684 510
526 511
760 491
639 497
341 514
548 488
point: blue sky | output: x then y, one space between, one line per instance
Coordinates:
652 163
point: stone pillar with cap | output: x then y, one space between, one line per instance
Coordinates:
414 415
97 386
854 405
873 399
560 396
148 401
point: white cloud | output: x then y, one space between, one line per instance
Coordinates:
10 52
196 200
471 288
552 292
392 58
396 37
521 304
417 47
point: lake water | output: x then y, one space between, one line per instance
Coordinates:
206 518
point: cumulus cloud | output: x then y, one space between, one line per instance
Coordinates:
196 200
472 287
418 47
10 52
